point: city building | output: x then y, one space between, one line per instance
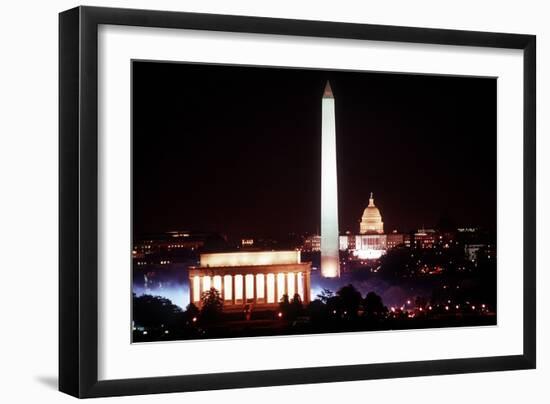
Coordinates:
394 239
347 242
425 238
371 242
312 243
370 246
173 247
254 279
471 251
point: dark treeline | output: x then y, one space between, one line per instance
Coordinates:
156 318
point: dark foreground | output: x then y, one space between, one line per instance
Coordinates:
266 326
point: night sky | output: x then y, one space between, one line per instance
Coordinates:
236 150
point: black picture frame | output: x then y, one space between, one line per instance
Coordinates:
78 206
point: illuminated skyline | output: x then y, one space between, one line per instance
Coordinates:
237 150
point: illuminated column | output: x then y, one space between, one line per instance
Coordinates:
281 285
300 280
206 283
296 288
265 288
330 263
255 283
233 292
250 287
227 291
217 283
307 287
271 288
244 288
276 287
286 286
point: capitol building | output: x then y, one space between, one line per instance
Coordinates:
371 221
371 242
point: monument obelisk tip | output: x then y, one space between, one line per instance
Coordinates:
328 91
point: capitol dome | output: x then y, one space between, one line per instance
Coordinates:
371 221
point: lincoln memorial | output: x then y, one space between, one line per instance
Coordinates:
257 278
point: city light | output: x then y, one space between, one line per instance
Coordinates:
368 254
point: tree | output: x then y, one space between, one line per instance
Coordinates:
325 295
296 306
212 305
317 310
351 300
335 307
373 305
284 305
154 311
291 309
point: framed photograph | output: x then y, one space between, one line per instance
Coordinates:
251 201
